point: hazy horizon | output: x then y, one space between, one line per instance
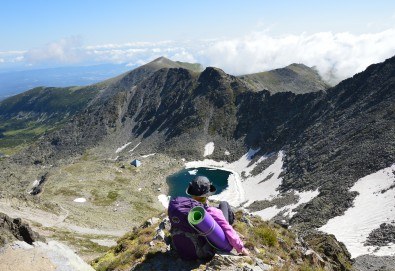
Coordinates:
338 38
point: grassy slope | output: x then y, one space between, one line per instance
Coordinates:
25 117
267 242
296 78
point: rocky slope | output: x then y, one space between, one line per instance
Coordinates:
14 229
272 247
352 135
330 138
23 249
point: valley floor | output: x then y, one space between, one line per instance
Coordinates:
116 197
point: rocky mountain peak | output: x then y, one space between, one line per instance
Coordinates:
212 76
163 62
162 59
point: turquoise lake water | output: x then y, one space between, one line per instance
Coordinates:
179 181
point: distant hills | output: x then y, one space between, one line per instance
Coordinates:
15 82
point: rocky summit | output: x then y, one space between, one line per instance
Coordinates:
73 147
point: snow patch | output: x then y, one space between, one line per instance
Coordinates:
239 189
80 200
373 206
267 190
148 155
123 147
135 147
164 200
227 153
234 193
193 172
208 149
244 188
35 183
271 212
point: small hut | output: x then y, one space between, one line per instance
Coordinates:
136 163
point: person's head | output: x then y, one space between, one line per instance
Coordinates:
200 188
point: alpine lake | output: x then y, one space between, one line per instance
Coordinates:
179 181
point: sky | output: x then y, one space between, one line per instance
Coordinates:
339 38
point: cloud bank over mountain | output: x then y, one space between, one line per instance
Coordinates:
335 55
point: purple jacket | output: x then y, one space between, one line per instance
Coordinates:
230 233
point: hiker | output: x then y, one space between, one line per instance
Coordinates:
189 244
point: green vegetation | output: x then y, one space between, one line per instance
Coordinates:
67 191
48 100
27 116
132 248
307 267
16 133
266 236
268 242
101 199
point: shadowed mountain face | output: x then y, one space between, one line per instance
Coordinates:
331 138
353 135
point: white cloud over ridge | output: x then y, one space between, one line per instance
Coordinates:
335 55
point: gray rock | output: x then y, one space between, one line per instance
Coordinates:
160 235
381 236
151 221
373 263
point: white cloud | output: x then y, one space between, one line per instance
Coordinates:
336 56
11 56
67 50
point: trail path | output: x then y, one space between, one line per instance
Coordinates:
48 219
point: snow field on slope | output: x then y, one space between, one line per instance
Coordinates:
373 206
250 188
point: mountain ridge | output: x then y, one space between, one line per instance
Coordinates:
330 138
297 78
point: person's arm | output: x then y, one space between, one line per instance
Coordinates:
230 233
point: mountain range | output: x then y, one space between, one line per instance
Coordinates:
331 137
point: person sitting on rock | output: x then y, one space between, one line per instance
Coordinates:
200 189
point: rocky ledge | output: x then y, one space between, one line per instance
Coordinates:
272 247
12 229
382 236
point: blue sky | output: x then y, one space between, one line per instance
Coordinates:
70 32
31 23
